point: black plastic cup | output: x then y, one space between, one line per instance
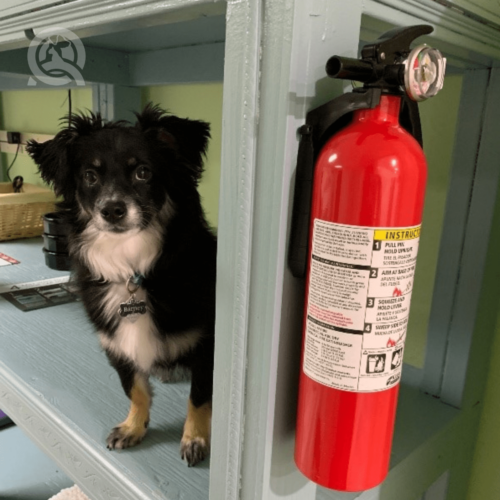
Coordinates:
57 261
55 223
54 243
56 230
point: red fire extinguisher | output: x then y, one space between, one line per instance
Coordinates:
359 195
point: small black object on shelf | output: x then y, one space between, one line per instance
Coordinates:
55 243
58 261
55 223
55 240
17 184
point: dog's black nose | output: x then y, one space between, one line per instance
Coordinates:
113 211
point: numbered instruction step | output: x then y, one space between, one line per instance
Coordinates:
360 286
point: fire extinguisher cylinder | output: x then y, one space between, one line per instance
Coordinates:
360 185
369 178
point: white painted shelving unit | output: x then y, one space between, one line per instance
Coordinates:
55 383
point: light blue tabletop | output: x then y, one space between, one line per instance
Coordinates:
57 385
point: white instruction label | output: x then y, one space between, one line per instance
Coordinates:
360 285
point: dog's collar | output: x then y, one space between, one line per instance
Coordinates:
132 309
134 283
137 279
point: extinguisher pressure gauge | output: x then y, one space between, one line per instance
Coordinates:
424 73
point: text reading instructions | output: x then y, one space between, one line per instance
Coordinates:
360 285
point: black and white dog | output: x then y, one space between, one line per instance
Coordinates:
143 254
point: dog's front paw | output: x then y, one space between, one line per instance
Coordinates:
124 436
194 450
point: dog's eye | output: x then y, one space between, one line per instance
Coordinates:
143 174
90 177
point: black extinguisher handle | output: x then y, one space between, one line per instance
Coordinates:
320 123
299 235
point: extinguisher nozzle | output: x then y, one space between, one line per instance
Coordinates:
346 68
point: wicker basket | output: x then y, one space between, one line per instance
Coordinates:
21 213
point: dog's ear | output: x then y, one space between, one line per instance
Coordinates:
52 157
187 138
52 160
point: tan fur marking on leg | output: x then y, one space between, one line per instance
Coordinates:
140 402
133 429
195 442
198 422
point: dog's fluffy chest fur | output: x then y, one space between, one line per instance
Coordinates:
115 258
137 341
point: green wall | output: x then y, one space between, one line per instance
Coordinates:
485 478
36 111
478 464
484 481
438 116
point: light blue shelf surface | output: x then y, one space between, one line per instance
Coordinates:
57 385
25 472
